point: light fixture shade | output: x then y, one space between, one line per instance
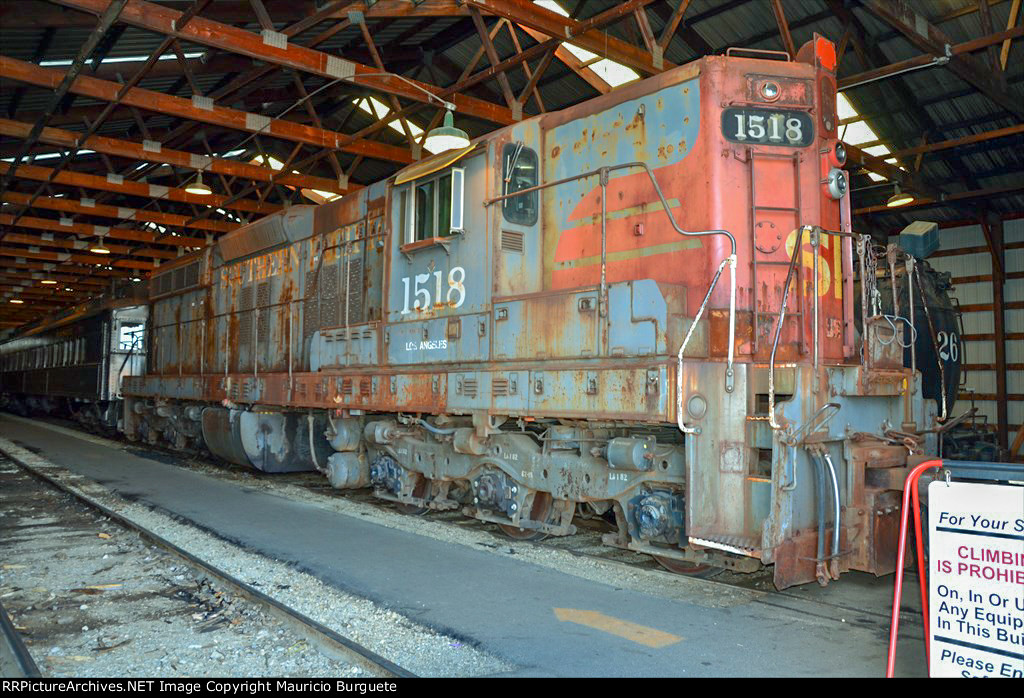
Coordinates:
198 187
98 248
17 301
446 137
48 282
899 198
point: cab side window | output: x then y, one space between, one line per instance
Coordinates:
433 207
519 172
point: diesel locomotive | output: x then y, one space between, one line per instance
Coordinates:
640 308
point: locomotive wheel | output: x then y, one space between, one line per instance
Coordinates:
542 511
421 490
691 569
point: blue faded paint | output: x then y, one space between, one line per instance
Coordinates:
659 129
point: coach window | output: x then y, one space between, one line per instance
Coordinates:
130 337
519 172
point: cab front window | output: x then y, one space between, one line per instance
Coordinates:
519 172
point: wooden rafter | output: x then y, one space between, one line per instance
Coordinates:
132 188
927 37
156 153
225 37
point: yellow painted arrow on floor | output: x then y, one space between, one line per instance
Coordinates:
633 632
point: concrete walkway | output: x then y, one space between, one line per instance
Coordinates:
505 606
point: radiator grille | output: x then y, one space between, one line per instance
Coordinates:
355 291
329 296
310 307
176 280
263 303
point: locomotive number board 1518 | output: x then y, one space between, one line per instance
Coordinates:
768 126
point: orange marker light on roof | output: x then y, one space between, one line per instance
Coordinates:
825 50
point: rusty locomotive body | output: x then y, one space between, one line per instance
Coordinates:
640 307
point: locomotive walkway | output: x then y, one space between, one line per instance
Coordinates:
544 621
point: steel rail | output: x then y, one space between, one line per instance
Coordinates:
334 644
15 659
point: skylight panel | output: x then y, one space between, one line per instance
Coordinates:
378 110
320 197
858 132
48 156
610 71
117 59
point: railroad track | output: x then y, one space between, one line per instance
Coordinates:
586 543
15 660
332 644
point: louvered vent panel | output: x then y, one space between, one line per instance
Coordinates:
164 283
346 386
245 317
263 303
499 387
192 274
512 241
365 387
329 296
263 234
176 280
311 307
469 387
355 291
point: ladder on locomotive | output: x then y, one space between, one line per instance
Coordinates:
759 313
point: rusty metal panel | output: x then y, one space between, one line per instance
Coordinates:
336 348
291 225
639 314
427 341
551 325
639 393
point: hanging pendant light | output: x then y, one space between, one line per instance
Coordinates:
98 248
899 198
446 137
198 187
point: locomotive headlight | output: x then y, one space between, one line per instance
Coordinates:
770 91
839 152
836 185
833 154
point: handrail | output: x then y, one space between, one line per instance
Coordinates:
603 173
797 250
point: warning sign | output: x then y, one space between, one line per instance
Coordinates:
976 579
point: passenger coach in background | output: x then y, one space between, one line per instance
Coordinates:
71 363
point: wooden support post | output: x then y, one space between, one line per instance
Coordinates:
993 229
